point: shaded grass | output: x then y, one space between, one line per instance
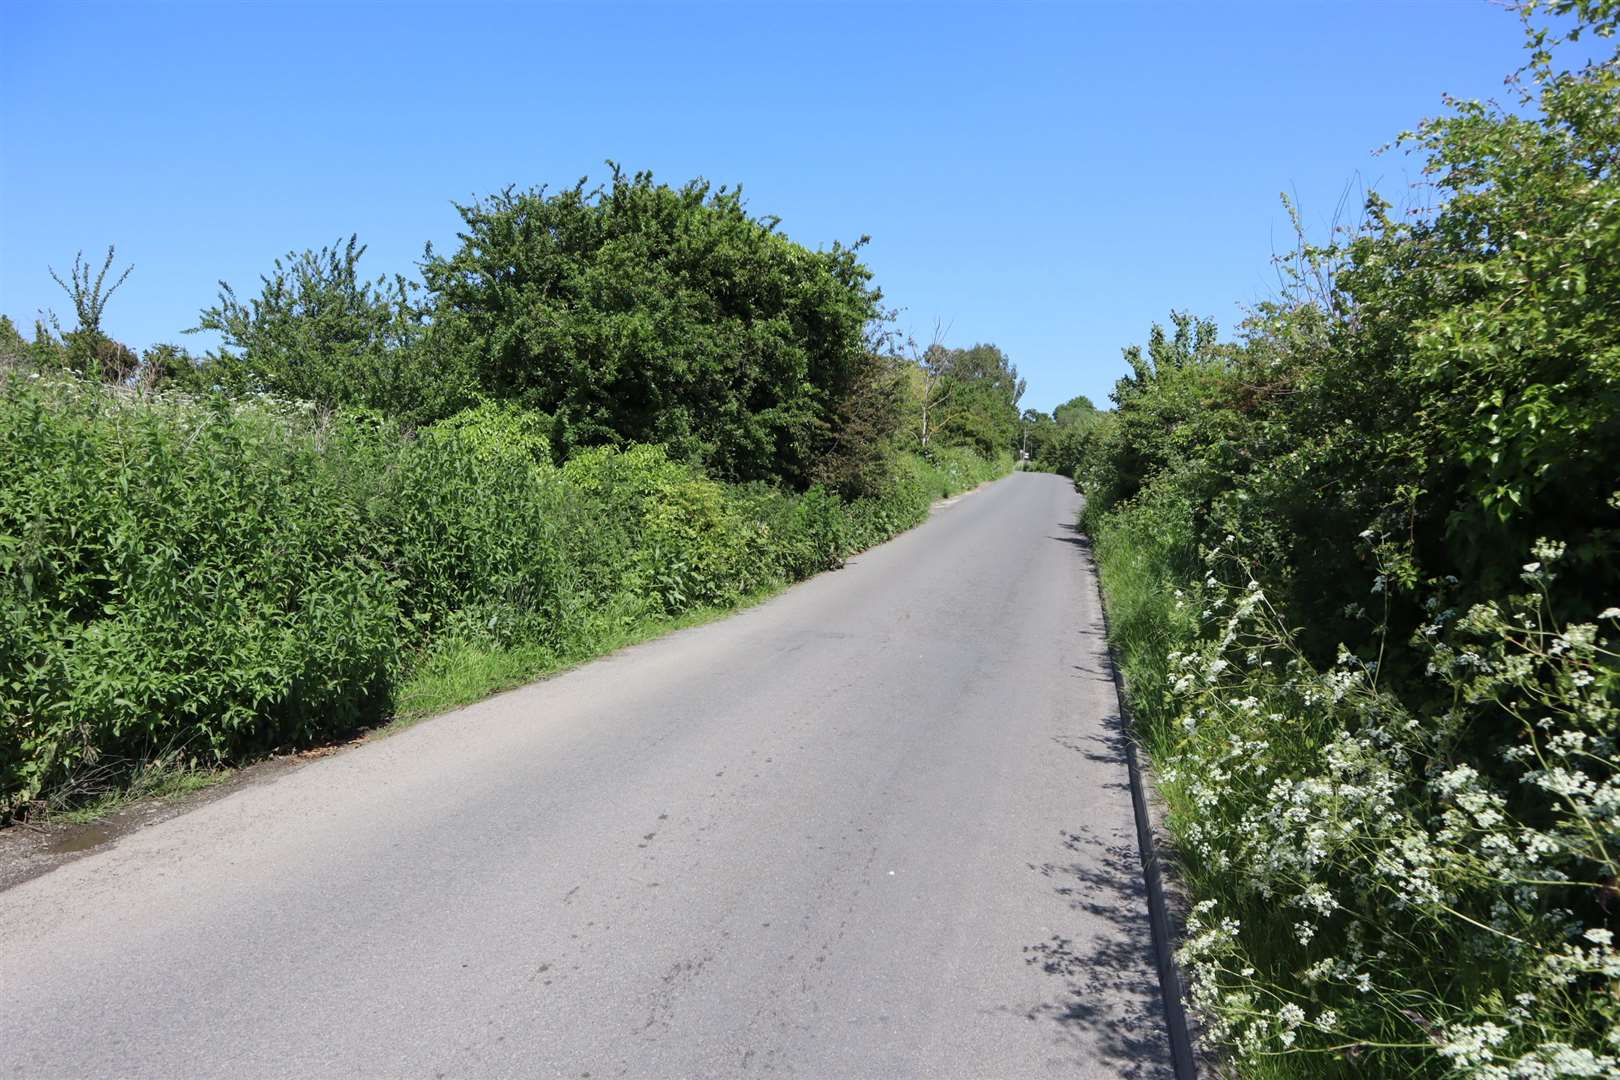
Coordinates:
1143 554
154 780
459 673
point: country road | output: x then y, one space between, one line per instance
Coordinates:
877 827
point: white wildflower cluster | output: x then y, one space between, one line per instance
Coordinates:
1547 1061
1392 848
1472 1045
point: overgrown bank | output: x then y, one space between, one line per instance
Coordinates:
609 410
1362 572
203 581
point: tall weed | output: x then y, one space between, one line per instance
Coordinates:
203 580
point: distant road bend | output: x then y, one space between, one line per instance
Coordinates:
878 827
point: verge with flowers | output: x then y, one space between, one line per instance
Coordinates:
1363 573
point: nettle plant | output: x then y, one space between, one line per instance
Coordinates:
1407 893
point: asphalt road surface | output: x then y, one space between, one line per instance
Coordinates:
878 827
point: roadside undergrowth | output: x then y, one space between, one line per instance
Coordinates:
461 673
1362 564
1375 894
191 584
94 798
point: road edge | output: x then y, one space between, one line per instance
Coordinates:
30 850
1166 905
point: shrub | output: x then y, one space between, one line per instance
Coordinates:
176 580
641 313
202 580
494 430
459 526
1354 562
318 331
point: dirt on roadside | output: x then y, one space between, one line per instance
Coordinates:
30 849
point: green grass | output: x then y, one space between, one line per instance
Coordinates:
462 673
158 780
1137 554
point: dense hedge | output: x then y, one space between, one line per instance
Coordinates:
637 312
203 580
1363 567
631 312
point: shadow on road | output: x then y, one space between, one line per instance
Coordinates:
1106 988
1098 748
1073 535
1106 999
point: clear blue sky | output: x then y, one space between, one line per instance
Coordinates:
1050 177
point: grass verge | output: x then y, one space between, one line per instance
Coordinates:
462 673
153 780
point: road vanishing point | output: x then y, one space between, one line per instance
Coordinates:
877 827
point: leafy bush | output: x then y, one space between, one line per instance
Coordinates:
320 332
1355 561
641 313
494 430
203 580
460 527
690 544
175 580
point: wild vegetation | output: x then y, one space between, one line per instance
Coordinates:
1361 566
1055 442
609 411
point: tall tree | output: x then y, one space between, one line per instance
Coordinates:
640 312
968 397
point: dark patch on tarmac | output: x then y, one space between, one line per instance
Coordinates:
31 849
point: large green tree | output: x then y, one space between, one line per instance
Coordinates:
641 312
967 397
1056 442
